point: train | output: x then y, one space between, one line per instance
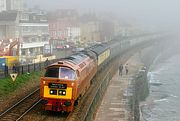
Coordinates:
66 81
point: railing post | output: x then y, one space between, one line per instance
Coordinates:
17 69
22 69
6 71
34 67
28 68
39 66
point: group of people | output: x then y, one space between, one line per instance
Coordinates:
121 69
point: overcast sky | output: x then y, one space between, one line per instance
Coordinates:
150 12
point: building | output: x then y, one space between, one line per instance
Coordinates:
90 28
2 5
9 25
15 5
34 33
73 34
64 26
6 5
30 28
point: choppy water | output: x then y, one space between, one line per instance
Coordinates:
163 103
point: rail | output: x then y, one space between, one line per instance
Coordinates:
22 107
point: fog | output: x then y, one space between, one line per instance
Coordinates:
152 13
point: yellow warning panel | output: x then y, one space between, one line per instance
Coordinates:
13 76
68 93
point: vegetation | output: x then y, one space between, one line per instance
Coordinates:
7 86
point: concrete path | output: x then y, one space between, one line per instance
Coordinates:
114 106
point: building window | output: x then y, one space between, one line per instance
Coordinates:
43 18
23 52
25 29
24 17
31 51
33 39
34 17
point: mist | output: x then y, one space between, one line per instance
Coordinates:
153 13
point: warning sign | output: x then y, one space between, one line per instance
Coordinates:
13 76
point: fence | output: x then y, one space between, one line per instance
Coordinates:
22 69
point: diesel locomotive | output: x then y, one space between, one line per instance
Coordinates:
67 80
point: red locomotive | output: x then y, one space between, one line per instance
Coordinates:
66 81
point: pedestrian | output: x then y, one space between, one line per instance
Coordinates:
120 69
47 62
14 68
126 68
6 70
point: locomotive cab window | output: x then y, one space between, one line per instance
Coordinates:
52 72
67 73
60 72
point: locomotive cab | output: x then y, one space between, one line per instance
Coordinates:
57 88
66 81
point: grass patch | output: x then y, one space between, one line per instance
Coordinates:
7 86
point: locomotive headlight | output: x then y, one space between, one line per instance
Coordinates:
72 84
62 92
44 82
53 92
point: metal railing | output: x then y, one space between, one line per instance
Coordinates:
24 69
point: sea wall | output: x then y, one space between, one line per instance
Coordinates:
140 83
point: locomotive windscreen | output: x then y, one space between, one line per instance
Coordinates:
67 73
52 72
60 72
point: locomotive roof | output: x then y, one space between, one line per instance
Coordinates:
75 59
99 48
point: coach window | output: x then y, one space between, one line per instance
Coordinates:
67 73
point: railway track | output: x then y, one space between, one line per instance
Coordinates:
85 110
21 108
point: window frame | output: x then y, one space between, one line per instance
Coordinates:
69 69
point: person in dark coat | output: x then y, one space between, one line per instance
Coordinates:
126 68
14 68
47 62
120 70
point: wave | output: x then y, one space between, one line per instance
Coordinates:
174 96
162 100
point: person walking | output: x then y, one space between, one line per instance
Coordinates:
120 69
47 62
126 68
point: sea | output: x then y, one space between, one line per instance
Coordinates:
163 102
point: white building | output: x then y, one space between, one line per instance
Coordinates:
2 5
6 5
15 5
73 34
34 33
